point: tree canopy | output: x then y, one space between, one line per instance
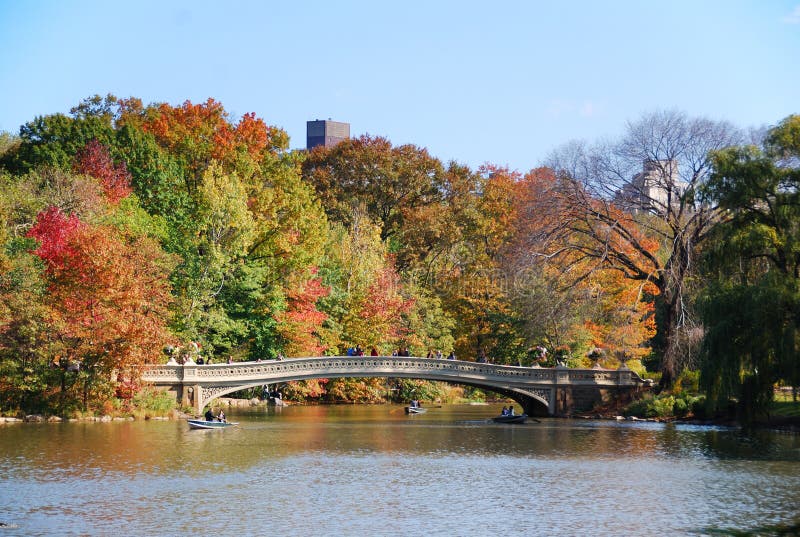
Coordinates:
129 227
752 303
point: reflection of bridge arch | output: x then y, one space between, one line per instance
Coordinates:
540 391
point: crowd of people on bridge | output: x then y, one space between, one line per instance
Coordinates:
181 358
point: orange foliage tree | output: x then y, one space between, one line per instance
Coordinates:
200 133
474 285
109 296
603 296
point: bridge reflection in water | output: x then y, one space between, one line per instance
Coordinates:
540 391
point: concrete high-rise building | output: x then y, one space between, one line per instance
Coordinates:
325 132
656 188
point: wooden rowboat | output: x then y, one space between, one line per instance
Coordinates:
203 424
510 419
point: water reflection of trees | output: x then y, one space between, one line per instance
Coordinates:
92 450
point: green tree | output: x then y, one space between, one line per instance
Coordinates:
54 140
28 344
752 307
8 144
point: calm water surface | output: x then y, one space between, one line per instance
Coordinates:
355 470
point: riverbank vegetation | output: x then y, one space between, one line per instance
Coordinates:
130 228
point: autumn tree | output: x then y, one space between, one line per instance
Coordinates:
376 315
568 299
109 296
239 217
645 185
291 229
95 160
392 183
201 133
300 325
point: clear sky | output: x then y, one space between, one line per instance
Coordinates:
473 81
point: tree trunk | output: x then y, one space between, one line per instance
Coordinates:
671 359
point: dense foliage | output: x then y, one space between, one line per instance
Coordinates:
752 304
128 227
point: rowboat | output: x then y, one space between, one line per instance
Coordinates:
415 410
510 419
203 424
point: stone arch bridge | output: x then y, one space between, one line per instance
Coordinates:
540 391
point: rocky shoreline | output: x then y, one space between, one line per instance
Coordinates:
39 418
174 415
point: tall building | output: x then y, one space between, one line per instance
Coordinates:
325 132
654 189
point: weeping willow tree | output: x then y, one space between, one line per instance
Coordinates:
750 344
751 307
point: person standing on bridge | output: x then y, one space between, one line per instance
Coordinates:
451 356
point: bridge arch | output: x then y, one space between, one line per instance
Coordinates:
534 403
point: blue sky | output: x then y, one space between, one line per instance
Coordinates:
499 82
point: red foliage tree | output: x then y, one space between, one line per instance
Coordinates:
301 322
109 294
385 306
54 231
95 160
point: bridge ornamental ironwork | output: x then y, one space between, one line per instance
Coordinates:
197 385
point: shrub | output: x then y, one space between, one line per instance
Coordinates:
699 407
680 408
688 381
154 401
665 406
662 407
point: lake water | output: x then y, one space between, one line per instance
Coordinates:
372 470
